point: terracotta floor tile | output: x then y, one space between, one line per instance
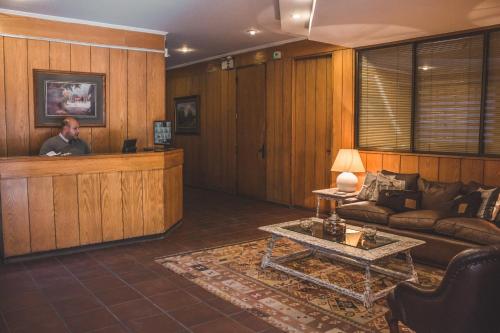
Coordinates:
30 317
134 309
73 306
195 314
70 290
22 300
220 325
103 283
201 293
155 324
156 286
137 276
174 300
117 295
91 320
111 329
252 322
224 306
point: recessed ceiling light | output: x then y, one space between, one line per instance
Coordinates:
185 49
252 32
296 16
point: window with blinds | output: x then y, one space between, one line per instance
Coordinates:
385 89
492 107
448 95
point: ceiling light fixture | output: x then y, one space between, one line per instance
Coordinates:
296 16
185 49
252 32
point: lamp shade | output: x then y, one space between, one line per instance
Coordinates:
348 160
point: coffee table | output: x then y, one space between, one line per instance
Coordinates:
352 249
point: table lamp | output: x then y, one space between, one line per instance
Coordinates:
347 162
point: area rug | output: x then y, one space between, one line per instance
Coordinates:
288 303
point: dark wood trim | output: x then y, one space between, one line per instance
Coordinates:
484 90
357 66
413 95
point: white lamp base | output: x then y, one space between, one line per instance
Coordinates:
346 182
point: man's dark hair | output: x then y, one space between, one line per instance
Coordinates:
64 123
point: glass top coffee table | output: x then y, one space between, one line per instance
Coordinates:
352 248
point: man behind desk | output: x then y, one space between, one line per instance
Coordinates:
67 142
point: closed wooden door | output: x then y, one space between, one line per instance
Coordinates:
312 129
251 129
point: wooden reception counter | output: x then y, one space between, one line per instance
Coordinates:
51 203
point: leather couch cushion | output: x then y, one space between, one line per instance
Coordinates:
470 229
423 220
436 195
366 211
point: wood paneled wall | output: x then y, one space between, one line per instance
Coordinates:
218 109
134 96
52 204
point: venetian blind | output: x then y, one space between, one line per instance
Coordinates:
492 109
448 95
385 83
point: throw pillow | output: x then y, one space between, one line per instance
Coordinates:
489 199
466 205
368 187
387 183
400 200
438 196
411 179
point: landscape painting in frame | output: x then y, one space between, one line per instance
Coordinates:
69 94
187 116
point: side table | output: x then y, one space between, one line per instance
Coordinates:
332 194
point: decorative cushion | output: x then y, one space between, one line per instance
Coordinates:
466 205
365 211
489 199
400 200
387 183
366 192
416 220
411 179
436 195
470 229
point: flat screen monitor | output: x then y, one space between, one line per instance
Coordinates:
163 132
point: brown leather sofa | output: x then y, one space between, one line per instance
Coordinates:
445 236
466 301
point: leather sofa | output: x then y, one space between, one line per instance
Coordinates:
445 235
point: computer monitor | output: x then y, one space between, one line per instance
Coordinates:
162 132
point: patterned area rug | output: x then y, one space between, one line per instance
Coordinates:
234 274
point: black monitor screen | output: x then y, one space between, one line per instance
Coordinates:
163 132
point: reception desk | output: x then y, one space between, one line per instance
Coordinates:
53 203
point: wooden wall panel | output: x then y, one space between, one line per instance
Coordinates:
374 162
66 211
38 58
133 224
99 63
118 97
155 92
391 162
137 98
471 170
409 164
428 167
15 218
111 206
41 213
17 108
3 121
36 27
492 172
449 170
89 209
153 199
60 56
80 62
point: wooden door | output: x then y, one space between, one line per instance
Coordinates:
251 129
312 128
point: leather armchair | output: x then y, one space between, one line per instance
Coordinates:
467 300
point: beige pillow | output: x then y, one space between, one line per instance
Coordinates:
386 182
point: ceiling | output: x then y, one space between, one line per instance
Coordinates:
358 23
215 27
210 27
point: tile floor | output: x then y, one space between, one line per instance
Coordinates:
121 289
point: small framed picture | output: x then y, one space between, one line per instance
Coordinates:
61 94
187 115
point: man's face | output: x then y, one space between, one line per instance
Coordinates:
72 130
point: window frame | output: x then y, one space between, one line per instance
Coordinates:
485 32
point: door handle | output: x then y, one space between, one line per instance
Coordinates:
262 151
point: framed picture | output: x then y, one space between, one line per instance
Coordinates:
69 94
187 115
